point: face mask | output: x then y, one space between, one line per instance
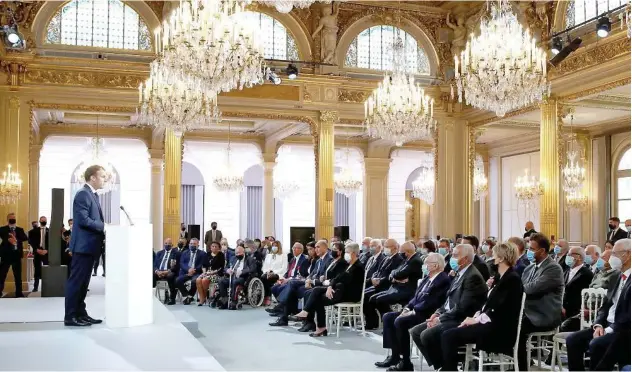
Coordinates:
348 257
335 254
192 247
12 221
485 248
443 251
183 228
213 227
239 256
454 264
588 260
180 245
372 250
365 247
167 247
248 250
600 263
615 262
569 261
424 251
531 255
387 251
403 255
275 249
425 270
34 225
629 228
43 223
611 226
557 249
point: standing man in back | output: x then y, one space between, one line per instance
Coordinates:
213 235
88 234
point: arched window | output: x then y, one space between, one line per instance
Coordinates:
101 24
278 41
579 11
373 49
624 186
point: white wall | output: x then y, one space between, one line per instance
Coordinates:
494 196
210 159
403 163
514 214
61 155
191 175
355 163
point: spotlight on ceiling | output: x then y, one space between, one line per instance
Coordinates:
292 71
272 77
603 27
14 39
570 47
556 45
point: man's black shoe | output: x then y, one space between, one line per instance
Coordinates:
402 366
89 319
76 322
171 302
279 323
308 327
187 301
276 314
388 362
275 309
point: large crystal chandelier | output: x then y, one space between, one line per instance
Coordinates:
424 185
212 40
576 200
480 180
229 179
346 182
95 154
10 187
502 68
528 189
399 110
573 174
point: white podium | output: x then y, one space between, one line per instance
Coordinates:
128 282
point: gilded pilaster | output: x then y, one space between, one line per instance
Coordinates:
325 175
269 162
549 168
375 196
585 143
33 195
172 185
156 160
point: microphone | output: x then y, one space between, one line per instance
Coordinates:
129 220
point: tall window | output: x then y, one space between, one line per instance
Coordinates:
624 186
102 24
373 49
579 11
277 40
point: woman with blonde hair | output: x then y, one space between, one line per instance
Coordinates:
274 267
212 269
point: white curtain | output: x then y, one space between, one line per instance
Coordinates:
187 204
254 211
341 210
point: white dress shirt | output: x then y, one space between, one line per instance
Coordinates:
42 236
615 301
572 272
277 263
239 267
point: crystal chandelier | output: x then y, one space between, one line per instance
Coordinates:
501 69
424 185
399 110
229 179
527 188
480 180
286 180
95 154
573 174
285 6
576 200
177 101
346 182
211 40
10 187
285 188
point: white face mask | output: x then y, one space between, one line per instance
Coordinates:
348 257
387 251
615 262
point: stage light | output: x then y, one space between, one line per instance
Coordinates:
603 27
292 71
556 45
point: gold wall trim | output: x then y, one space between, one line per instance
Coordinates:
598 89
495 118
83 79
591 57
88 108
268 91
353 96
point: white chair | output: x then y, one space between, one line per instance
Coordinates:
592 299
542 342
162 287
493 359
350 311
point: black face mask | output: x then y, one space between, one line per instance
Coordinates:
43 223
611 226
213 227
180 245
239 256
12 221
183 228
335 254
34 225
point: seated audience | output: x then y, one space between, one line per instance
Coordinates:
212 269
605 273
229 253
608 341
559 253
522 261
376 258
430 294
345 287
312 257
364 250
402 283
467 293
166 268
488 258
478 262
592 254
191 262
495 327
609 245
543 283
576 278
427 247
243 268
274 267
260 252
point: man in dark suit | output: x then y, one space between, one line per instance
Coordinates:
478 262
38 240
543 283
403 282
529 230
12 240
467 293
191 262
184 234
576 278
166 267
243 267
212 235
365 252
375 259
430 294
523 261
608 341
616 232
87 239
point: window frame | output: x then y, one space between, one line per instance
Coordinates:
571 4
288 33
618 174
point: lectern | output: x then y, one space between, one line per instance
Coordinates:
128 283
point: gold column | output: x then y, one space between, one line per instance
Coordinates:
172 185
325 176
549 169
585 143
33 196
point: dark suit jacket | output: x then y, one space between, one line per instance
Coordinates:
250 267
427 300
186 264
522 264
572 301
208 236
174 255
350 282
447 267
373 265
8 251
466 295
503 307
622 312
615 235
320 266
528 233
383 273
303 265
334 269
544 288
88 227
481 266
35 237
409 269
364 257
560 261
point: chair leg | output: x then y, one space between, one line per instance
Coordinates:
554 356
539 346
362 321
338 325
481 360
559 356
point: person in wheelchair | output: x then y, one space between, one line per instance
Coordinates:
166 267
212 269
242 269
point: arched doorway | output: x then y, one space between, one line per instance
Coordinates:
192 199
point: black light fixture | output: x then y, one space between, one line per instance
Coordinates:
570 47
603 27
556 45
292 71
272 76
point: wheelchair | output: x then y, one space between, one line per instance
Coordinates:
251 293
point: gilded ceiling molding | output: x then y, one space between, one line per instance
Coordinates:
351 122
85 108
591 57
494 118
515 124
353 96
599 89
156 7
83 79
142 133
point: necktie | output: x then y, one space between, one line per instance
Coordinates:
42 234
292 266
165 258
